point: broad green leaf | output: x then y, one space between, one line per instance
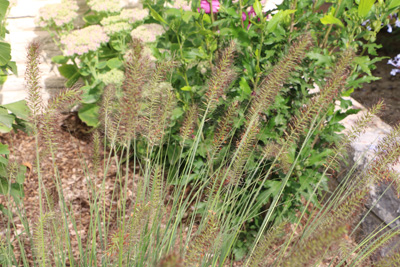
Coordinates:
4 149
258 8
364 7
114 63
245 86
60 59
101 65
19 108
3 8
12 65
188 15
329 19
5 53
93 19
67 70
394 4
277 18
157 16
89 114
72 80
7 120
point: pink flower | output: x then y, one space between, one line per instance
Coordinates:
204 4
251 12
244 17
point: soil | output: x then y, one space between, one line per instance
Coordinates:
388 87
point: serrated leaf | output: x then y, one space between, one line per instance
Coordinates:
329 19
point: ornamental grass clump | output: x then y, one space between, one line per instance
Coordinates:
159 222
209 149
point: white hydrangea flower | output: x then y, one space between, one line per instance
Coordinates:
109 6
114 76
82 41
59 14
269 5
147 33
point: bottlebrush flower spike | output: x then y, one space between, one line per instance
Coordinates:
224 127
273 82
222 76
203 242
32 76
190 122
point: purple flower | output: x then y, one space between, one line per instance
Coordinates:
204 4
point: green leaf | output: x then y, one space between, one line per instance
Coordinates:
186 88
114 63
394 4
329 19
258 8
4 149
188 15
244 86
67 70
364 7
19 108
93 19
157 16
7 120
12 65
60 59
101 65
3 8
322 60
71 81
5 53
89 114
277 18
